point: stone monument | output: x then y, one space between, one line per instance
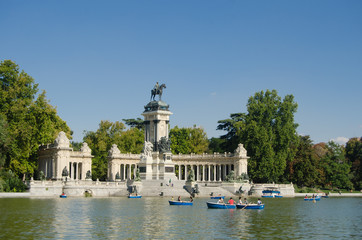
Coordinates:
156 159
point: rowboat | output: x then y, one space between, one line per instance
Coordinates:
271 192
138 196
250 206
218 197
318 198
220 205
180 203
63 196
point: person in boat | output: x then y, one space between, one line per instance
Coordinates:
231 201
172 198
220 200
191 199
306 196
259 201
245 201
179 198
63 194
240 201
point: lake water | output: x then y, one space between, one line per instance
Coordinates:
153 218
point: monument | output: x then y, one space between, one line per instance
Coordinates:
156 159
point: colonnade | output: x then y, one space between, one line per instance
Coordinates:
75 170
127 171
204 172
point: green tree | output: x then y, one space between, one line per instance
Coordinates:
233 127
303 169
4 140
31 121
134 123
216 145
336 167
101 141
354 156
268 132
188 140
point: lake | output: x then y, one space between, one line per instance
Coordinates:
153 218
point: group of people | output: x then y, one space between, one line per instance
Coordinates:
313 196
179 199
231 201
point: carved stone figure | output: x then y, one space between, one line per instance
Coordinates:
137 178
88 175
191 176
147 149
65 172
114 150
85 148
240 151
157 91
62 141
164 145
117 176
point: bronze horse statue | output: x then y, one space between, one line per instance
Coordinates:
157 91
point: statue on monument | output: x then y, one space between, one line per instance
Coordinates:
147 149
164 144
157 90
65 172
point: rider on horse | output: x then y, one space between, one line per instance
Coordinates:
156 87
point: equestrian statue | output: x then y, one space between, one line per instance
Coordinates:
157 90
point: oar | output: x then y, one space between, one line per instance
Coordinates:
245 206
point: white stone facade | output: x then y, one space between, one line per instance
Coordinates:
55 158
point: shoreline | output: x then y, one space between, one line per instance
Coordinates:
297 195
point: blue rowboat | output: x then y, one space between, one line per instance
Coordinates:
218 197
220 205
250 206
63 196
271 192
313 199
325 196
139 196
180 203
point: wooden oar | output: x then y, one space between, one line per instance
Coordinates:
245 206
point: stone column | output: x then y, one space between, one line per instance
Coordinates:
198 167
179 172
214 172
186 174
203 172
124 172
224 171
220 172
134 171
129 171
209 172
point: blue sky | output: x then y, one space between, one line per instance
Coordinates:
98 60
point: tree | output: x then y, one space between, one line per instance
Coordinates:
101 141
303 169
216 145
134 123
4 139
354 156
336 167
233 127
30 122
268 132
188 140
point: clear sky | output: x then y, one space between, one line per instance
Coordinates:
98 60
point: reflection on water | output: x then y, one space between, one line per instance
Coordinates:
153 218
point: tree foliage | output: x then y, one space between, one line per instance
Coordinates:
354 157
268 132
101 141
29 117
188 140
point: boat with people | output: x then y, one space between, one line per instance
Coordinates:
250 206
63 195
188 203
134 196
218 197
313 198
271 192
216 205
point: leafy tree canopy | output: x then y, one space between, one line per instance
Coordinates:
188 140
268 132
29 118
